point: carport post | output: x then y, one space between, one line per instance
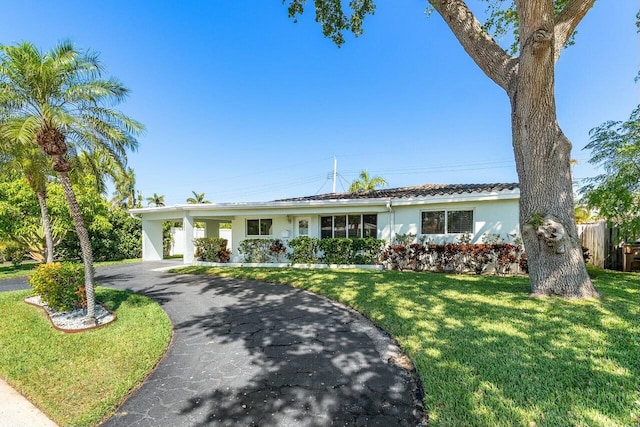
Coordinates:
188 232
151 240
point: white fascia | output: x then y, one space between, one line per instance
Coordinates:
240 208
456 198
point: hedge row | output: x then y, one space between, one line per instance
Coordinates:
496 258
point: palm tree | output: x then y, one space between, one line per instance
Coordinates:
125 194
155 200
197 198
60 100
366 183
35 166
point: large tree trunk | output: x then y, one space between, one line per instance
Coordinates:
542 154
541 150
46 225
85 244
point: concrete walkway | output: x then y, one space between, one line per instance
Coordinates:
17 411
257 354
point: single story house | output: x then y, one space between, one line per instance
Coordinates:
440 212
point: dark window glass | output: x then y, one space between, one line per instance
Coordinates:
433 222
259 227
326 227
355 226
253 227
340 226
265 227
370 226
460 221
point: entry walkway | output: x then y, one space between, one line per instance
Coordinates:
250 353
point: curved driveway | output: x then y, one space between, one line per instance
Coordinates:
248 353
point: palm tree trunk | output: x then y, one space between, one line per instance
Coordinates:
46 225
85 244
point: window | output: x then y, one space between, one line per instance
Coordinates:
370 226
303 227
259 227
433 222
350 226
444 222
460 221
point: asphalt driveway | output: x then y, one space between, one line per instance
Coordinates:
248 353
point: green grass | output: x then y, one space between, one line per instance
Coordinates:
78 379
487 354
9 271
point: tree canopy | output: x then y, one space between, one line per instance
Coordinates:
615 146
155 200
540 29
364 182
59 102
197 198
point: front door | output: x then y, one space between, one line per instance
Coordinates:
302 226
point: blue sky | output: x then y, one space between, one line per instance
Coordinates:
242 104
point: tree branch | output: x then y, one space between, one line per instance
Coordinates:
567 21
485 52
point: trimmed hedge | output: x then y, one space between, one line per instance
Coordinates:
262 250
306 250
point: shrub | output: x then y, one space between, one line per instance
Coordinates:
367 250
304 250
119 236
60 285
351 251
277 249
395 257
336 251
256 250
212 249
455 257
404 239
15 253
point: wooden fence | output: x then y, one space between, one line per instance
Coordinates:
602 242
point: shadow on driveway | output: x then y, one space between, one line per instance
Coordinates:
258 354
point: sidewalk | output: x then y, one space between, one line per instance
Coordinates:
17 411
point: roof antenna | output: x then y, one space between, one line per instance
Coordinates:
335 172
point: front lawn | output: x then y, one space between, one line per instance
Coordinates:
78 379
487 354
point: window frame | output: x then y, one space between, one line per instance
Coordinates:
360 229
446 221
259 227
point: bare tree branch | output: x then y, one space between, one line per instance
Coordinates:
567 21
486 53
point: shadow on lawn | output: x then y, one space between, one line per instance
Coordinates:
514 360
290 357
501 357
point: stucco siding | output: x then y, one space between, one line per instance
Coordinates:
489 217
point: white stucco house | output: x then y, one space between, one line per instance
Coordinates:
440 212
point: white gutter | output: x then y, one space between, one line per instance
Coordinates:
392 221
307 204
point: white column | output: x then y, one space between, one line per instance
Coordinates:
187 227
151 240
